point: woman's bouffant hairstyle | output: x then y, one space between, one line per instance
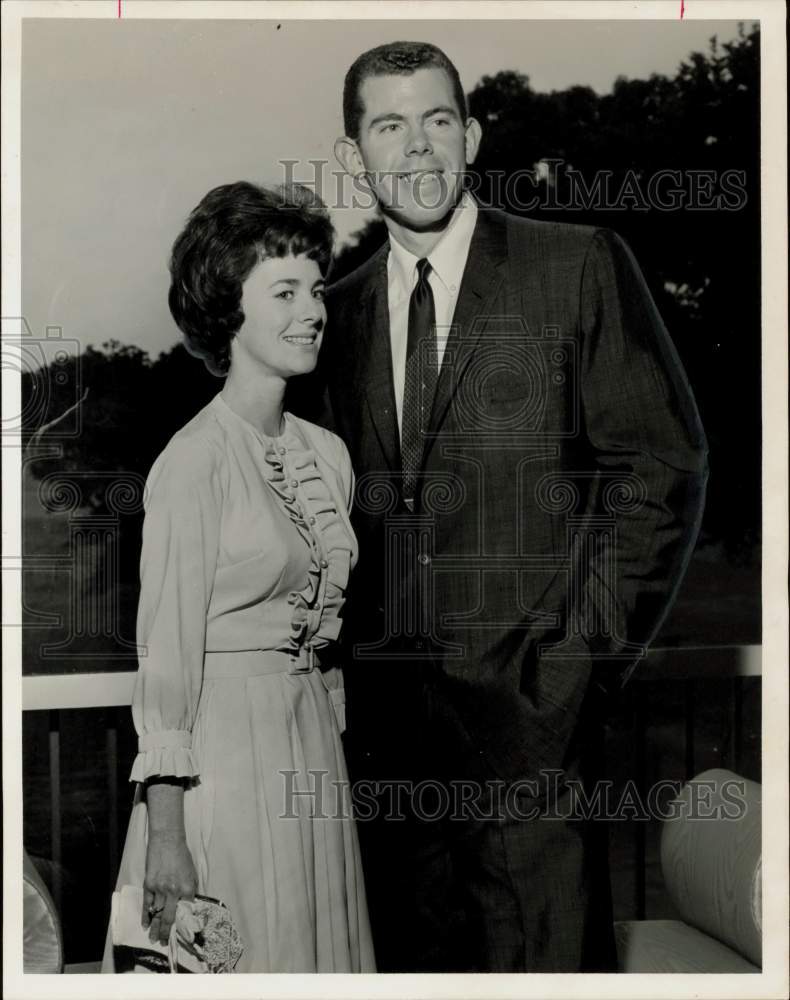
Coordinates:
232 229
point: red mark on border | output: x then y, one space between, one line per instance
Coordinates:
682 8
119 9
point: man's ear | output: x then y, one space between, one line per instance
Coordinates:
473 133
348 156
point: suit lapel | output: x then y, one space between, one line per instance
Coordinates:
377 363
480 285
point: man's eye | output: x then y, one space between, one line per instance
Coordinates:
287 295
440 121
391 127
319 293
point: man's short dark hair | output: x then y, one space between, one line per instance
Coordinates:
394 59
232 229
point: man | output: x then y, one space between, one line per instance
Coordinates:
530 473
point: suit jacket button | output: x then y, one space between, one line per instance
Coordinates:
423 558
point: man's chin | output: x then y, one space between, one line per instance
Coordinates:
422 220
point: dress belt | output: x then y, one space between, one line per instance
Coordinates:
259 662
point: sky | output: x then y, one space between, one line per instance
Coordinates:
127 124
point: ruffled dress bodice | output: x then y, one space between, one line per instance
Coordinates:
296 481
247 545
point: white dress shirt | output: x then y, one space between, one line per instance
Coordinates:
447 260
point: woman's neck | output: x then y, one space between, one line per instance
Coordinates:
257 398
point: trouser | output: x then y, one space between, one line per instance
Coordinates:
507 883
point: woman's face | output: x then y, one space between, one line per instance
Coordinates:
284 317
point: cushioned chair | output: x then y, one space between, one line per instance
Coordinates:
711 864
42 947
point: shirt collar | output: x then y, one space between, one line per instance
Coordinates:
448 257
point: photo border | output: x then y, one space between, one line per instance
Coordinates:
773 980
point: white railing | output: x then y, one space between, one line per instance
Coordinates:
682 665
113 689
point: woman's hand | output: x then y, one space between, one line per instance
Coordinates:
170 875
170 872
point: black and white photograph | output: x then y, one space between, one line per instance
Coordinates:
394 446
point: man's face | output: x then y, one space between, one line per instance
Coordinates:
414 146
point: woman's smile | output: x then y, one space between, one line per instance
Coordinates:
301 339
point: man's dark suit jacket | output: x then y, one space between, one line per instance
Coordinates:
563 483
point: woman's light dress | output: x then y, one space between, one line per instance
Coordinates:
246 553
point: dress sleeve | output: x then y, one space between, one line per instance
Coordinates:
179 557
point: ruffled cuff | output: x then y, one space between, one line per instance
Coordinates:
167 753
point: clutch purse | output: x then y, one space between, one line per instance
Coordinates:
202 937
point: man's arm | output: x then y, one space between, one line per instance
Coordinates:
642 424
648 457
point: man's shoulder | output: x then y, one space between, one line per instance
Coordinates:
549 234
357 280
558 249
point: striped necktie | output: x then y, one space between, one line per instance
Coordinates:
422 374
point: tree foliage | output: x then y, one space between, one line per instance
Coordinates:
132 408
703 266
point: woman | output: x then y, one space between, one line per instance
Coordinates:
246 552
